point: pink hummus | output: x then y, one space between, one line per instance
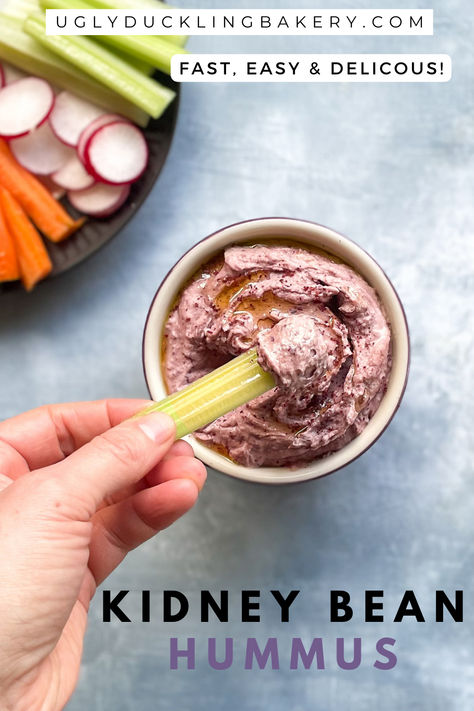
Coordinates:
318 327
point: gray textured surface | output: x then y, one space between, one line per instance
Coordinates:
392 167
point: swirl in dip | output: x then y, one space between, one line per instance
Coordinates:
318 327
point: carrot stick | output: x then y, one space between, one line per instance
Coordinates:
9 268
47 213
33 258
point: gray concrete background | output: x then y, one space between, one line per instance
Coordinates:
392 167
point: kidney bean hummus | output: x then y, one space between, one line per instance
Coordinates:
318 327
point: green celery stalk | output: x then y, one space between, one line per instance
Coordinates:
179 40
147 48
20 9
143 67
24 52
104 66
230 386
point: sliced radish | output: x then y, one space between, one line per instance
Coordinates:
73 175
40 151
100 200
70 116
116 153
24 105
92 128
3 79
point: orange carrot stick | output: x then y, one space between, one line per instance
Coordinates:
9 268
33 258
47 213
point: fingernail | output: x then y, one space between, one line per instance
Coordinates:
157 427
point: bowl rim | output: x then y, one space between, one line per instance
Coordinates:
293 479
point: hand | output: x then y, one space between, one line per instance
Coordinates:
78 491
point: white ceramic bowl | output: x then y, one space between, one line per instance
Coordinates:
311 234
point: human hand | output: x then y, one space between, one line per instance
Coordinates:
79 488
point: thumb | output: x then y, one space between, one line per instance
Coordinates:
115 459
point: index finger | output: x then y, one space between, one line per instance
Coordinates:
48 434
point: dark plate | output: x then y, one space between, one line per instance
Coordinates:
97 232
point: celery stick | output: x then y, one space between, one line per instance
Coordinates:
179 40
22 51
233 384
143 67
147 48
104 66
20 9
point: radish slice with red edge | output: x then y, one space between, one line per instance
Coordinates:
117 153
70 116
73 175
24 105
92 128
40 152
3 78
100 200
